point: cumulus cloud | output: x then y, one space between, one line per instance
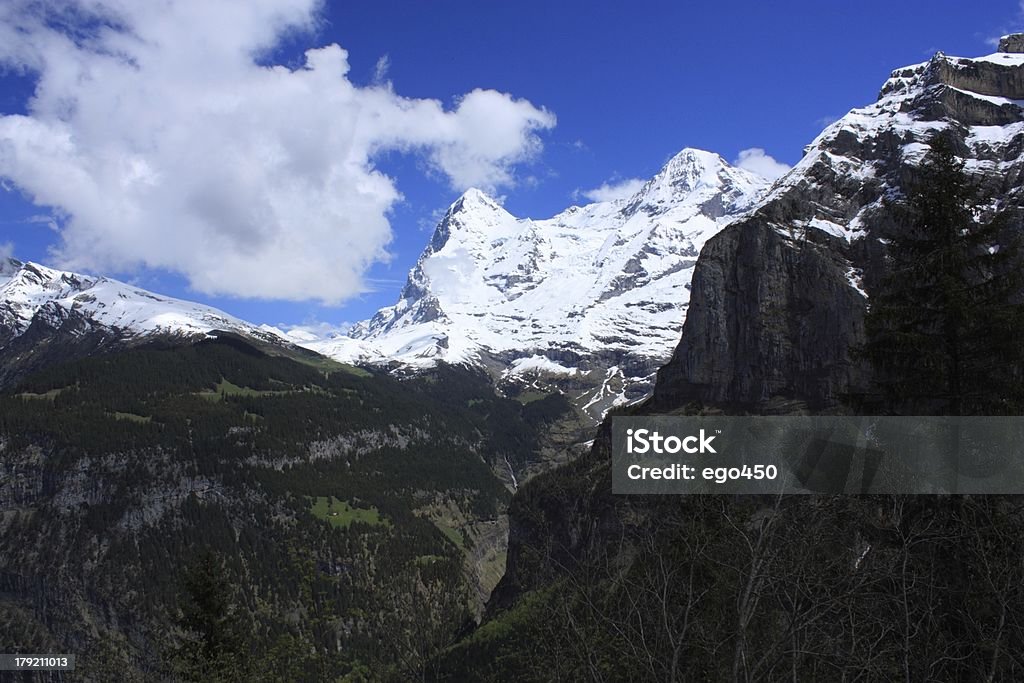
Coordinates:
608 192
757 161
163 139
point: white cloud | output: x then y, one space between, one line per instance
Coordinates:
6 250
49 220
756 161
608 192
309 331
380 71
164 143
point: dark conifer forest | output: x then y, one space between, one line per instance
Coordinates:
209 511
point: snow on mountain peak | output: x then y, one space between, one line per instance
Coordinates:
474 198
28 290
698 164
604 281
474 216
475 210
699 178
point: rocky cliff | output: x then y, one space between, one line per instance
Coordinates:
745 588
778 297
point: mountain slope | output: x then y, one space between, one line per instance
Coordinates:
778 297
594 294
356 518
49 315
29 291
808 587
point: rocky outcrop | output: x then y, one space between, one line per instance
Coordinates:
778 298
1013 43
772 316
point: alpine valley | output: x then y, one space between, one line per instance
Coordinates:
429 495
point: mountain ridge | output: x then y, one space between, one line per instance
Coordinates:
578 295
29 289
777 305
50 316
813 244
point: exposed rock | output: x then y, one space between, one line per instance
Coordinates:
777 299
772 315
984 77
1012 43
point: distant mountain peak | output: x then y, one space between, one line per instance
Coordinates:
692 168
476 217
29 290
594 290
475 208
697 177
474 197
693 157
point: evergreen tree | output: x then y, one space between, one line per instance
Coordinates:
215 649
944 328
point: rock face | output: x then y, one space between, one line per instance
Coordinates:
1013 43
771 318
777 297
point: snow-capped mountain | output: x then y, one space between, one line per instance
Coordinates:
34 294
599 289
796 269
980 99
38 304
593 299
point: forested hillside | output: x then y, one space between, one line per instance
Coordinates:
352 522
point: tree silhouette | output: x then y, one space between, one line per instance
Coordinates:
215 646
944 326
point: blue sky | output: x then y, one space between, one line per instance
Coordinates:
182 114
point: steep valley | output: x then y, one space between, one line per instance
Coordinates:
431 498
354 521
